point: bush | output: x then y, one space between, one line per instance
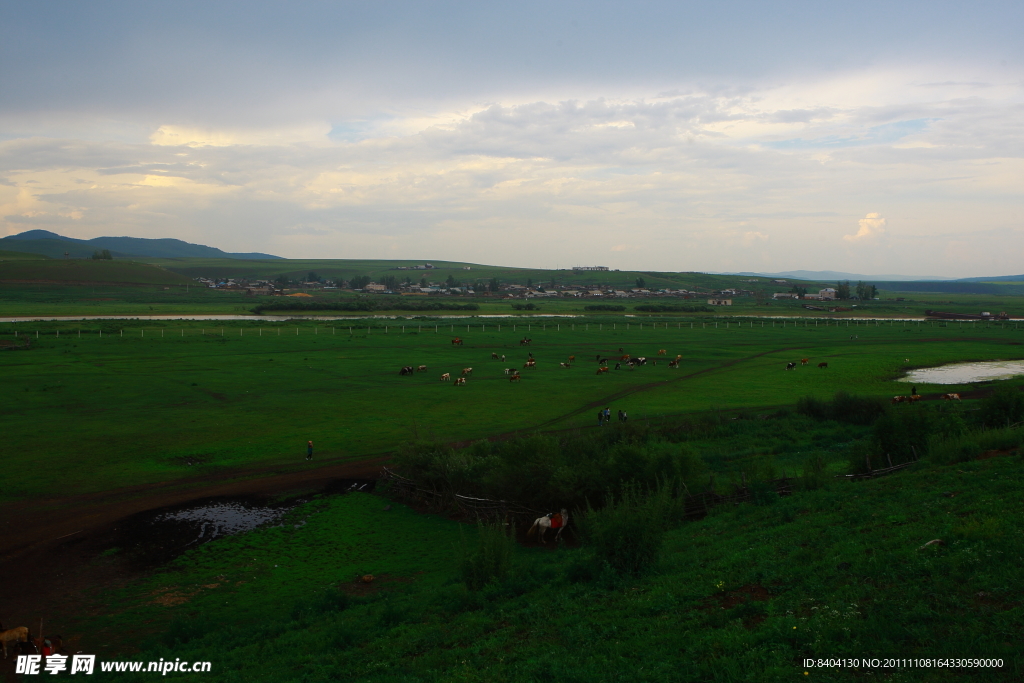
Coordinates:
954 449
491 561
627 532
604 307
902 436
814 473
526 307
858 410
1004 407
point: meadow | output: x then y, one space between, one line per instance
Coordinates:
135 402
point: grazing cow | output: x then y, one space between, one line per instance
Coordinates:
446 377
13 635
951 397
804 361
625 357
467 371
604 369
422 368
508 370
679 356
790 366
515 378
602 361
525 342
900 399
822 365
618 365
494 356
914 398
502 358
572 359
461 381
640 361
662 352
565 365
456 342
673 364
530 364
407 370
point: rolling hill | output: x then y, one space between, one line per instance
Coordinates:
86 271
56 246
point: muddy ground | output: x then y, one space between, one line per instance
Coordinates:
53 564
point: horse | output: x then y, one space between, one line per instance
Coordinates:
13 635
549 521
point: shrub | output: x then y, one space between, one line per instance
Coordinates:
1004 407
859 410
491 561
604 307
814 475
627 532
959 448
672 308
902 436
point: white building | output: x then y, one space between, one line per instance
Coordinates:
720 302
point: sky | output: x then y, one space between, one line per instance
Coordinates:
868 137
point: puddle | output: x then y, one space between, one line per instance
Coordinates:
965 373
155 537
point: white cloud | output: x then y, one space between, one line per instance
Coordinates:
753 237
871 226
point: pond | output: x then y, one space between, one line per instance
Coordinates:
965 373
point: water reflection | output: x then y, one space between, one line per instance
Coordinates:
964 373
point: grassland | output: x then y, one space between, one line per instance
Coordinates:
146 401
86 271
746 594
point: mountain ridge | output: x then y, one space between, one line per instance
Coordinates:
51 244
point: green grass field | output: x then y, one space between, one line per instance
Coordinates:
80 271
747 594
122 410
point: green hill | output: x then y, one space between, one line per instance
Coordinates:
87 271
21 256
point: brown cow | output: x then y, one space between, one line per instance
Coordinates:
951 397
446 377
13 635
673 364
915 398
900 399
467 371
625 356
515 378
679 356
572 359
822 365
662 352
422 368
530 364
494 356
803 361
461 381
601 370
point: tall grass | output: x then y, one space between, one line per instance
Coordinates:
626 534
492 560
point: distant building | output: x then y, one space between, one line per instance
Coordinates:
785 295
780 282
590 267
720 302
827 294
374 287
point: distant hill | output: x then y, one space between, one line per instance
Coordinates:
87 271
835 275
55 246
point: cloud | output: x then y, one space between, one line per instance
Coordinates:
753 237
871 226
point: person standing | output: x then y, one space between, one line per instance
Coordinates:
624 416
607 414
309 450
600 418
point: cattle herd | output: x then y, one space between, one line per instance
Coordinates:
623 360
